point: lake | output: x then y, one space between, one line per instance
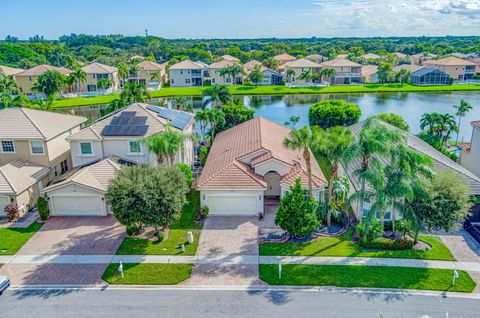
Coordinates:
410 106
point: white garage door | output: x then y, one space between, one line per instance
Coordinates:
232 205
77 205
4 201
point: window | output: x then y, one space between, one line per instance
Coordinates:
134 147
7 146
86 148
172 81
63 167
187 81
213 81
36 147
366 208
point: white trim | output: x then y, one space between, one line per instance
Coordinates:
129 153
8 152
77 194
31 148
80 154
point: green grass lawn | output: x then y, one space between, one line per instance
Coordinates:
11 240
344 246
177 236
272 90
367 276
147 274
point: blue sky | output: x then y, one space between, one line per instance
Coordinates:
240 18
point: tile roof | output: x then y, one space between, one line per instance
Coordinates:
19 175
369 56
465 145
284 57
222 64
400 54
151 66
186 65
411 67
251 64
262 139
342 56
40 69
424 54
27 123
302 63
136 57
98 68
339 62
475 123
440 161
450 60
9 71
227 57
368 70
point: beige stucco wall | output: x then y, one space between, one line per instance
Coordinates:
453 71
217 79
80 160
272 165
298 71
24 83
23 151
147 77
27 199
178 78
92 80
471 159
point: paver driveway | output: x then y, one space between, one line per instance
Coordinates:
67 236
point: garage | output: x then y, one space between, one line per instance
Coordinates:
4 201
232 205
77 206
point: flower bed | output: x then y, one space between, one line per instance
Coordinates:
388 244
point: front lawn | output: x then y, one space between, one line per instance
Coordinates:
367 276
12 239
344 246
177 235
147 274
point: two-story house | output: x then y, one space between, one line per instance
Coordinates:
470 155
300 67
457 68
33 150
186 73
10 71
218 78
153 75
95 72
26 78
346 72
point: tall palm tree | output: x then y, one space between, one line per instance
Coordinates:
217 94
462 110
301 139
7 100
114 105
7 85
123 71
202 117
43 104
445 126
134 93
328 73
335 145
290 74
429 120
165 145
215 117
78 76
306 75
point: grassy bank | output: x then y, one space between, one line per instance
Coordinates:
147 274
12 239
367 276
272 90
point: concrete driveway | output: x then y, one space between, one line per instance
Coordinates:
67 236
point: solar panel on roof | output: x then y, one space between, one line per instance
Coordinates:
126 124
178 119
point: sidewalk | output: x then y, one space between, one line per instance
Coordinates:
238 260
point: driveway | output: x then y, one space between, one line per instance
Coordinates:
67 236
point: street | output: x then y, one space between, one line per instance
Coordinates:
133 302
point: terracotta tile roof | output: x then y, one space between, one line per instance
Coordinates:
151 66
464 145
369 56
40 69
476 123
400 55
342 56
227 57
136 57
449 61
302 63
251 64
186 65
19 175
284 57
27 123
339 62
98 68
368 70
9 71
261 140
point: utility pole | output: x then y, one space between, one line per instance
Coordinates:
146 33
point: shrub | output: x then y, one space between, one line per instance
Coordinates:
330 113
187 171
203 155
403 226
388 244
131 229
42 208
160 236
204 211
12 211
375 231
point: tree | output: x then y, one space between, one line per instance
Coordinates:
217 94
202 118
462 110
384 72
330 113
147 195
439 125
271 63
104 83
7 100
255 76
306 75
328 73
165 145
234 71
403 76
215 117
394 120
7 85
49 83
123 71
235 113
335 145
134 92
181 103
42 104
290 74
301 139
428 120
296 214
78 76
114 105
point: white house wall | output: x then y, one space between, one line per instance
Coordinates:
80 160
471 159
272 165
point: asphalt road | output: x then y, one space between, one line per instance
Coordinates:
229 303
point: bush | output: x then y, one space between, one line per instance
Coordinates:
160 236
187 171
388 244
403 226
204 212
203 155
42 208
330 113
131 229
375 231
12 211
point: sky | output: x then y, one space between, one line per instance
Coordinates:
240 18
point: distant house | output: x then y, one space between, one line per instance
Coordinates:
10 71
346 72
342 56
370 73
218 79
119 135
300 66
26 78
250 65
470 155
230 58
284 58
419 58
95 72
459 55
370 56
186 73
317 58
271 77
153 75
136 57
457 68
429 76
400 55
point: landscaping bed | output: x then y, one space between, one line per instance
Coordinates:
12 239
367 276
147 274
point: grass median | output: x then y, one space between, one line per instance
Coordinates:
367 277
12 239
147 274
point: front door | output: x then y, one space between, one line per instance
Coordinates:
273 184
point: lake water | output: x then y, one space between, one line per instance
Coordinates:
410 106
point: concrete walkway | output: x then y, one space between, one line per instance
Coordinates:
243 260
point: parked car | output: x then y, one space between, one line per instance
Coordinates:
4 284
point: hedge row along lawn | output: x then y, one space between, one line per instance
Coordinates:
177 235
147 274
367 276
271 90
12 239
344 246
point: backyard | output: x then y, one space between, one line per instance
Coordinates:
12 239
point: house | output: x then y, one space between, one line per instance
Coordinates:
10 71
459 55
26 78
186 74
218 79
250 65
317 58
248 163
284 58
120 133
21 182
300 66
82 191
429 76
270 77
136 57
342 56
457 68
470 155
346 72
370 57
440 163
153 75
95 72
419 58
37 136
370 73
230 58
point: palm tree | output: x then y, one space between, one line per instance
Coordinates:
462 110
217 94
306 75
155 76
271 63
234 71
165 145
301 139
7 100
328 73
79 76
181 103
123 71
7 85
43 104
202 117
445 126
403 76
114 105
335 145
134 93
290 74
215 117
429 121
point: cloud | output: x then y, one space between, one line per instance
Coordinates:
469 8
